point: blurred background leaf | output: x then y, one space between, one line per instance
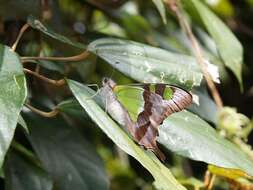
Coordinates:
22 173
65 155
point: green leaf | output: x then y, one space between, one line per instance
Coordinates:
12 96
21 173
36 24
163 177
66 155
71 107
186 134
148 64
230 49
51 65
160 6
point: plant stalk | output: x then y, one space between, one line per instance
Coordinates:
20 34
60 82
173 5
52 113
74 58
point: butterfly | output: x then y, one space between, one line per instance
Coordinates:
142 108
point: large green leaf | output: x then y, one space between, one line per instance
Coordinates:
36 24
163 178
12 96
65 155
148 64
188 135
22 174
230 49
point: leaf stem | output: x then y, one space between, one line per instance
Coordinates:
211 184
20 34
209 180
60 82
78 57
173 5
52 113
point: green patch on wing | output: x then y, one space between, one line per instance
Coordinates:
131 97
168 93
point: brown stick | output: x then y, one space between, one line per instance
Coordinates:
79 57
52 113
173 5
51 81
20 34
211 184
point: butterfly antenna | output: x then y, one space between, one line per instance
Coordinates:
97 91
113 71
106 106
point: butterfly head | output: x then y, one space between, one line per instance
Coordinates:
108 82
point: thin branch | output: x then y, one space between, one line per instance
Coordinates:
20 34
79 57
207 178
211 184
52 113
51 81
29 61
173 5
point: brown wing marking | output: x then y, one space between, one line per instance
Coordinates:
142 122
148 129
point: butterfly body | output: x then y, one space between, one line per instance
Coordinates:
141 109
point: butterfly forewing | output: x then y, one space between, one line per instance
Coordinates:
131 97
